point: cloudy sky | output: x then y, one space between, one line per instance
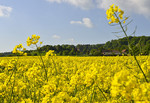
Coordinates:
67 21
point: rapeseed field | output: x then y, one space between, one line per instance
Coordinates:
73 79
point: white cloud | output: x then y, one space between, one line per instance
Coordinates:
56 37
71 40
83 4
58 1
85 21
75 22
141 7
5 11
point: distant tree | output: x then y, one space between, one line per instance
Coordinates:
95 52
65 52
147 50
1 54
72 52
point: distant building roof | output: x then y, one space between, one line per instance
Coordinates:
110 52
124 50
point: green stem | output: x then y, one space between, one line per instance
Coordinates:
92 95
13 70
131 49
12 91
54 66
102 93
34 92
42 62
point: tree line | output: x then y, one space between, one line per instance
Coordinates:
140 44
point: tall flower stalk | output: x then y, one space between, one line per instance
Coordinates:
34 40
115 14
19 51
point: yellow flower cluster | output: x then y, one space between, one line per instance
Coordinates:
33 40
115 14
19 50
78 80
50 53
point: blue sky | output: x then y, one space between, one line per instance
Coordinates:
66 21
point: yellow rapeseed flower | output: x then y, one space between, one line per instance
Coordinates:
114 13
18 49
33 40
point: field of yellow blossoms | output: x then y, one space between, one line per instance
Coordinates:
58 79
74 79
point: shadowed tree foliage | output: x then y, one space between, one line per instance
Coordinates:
140 44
